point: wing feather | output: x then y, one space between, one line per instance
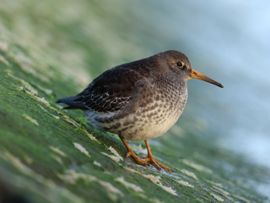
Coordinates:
111 91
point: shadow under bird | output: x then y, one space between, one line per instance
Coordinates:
139 100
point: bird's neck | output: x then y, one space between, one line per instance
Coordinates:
173 81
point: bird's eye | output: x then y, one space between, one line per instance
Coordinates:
180 64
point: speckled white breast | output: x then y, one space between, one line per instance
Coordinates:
148 121
160 123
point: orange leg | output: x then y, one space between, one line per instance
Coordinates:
132 155
153 161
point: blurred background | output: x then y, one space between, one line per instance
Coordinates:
227 40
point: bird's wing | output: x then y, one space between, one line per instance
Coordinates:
111 91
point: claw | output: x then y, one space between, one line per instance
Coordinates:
128 154
159 166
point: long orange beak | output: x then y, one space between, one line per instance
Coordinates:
200 76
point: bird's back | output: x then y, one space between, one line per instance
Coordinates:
111 90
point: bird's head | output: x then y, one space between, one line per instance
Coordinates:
178 63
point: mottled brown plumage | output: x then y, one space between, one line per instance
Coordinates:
138 100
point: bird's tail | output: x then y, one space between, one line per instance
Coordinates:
71 103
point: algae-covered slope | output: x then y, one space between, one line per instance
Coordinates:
50 155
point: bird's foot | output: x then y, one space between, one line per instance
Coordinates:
148 161
158 165
137 159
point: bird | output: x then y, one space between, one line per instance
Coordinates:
139 100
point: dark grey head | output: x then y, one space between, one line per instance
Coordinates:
178 63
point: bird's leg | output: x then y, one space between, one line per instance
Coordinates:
153 161
131 154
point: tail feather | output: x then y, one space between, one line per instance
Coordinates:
71 103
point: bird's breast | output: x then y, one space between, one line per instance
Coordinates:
156 111
162 113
